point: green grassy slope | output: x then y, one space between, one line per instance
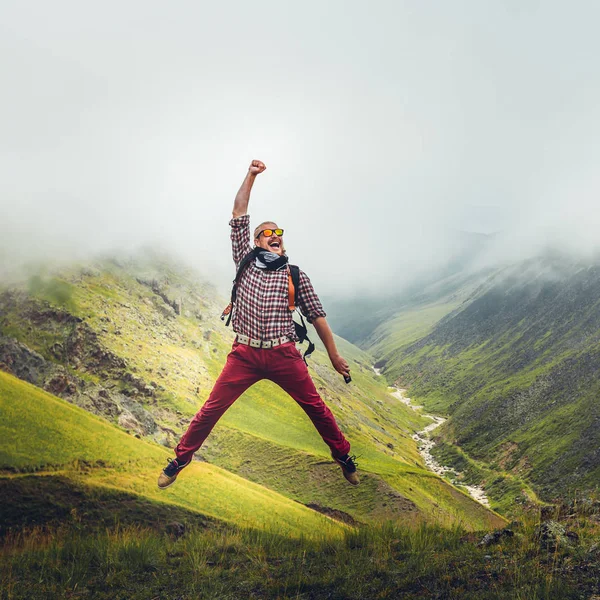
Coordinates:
406 327
44 434
116 332
515 368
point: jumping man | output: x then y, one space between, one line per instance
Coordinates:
264 346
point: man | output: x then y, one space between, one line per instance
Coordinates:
264 347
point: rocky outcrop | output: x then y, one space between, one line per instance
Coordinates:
20 361
67 349
155 286
26 364
76 344
84 351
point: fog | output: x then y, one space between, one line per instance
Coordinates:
388 129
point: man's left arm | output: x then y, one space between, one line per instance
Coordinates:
312 309
339 362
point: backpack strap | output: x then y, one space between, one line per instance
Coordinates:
293 285
301 329
302 333
228 312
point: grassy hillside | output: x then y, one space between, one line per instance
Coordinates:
107 533
515 367
46 436
269 514
406 327
141 343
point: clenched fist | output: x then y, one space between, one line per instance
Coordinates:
256 167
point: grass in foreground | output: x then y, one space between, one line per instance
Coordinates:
376 562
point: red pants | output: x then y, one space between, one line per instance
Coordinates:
244 367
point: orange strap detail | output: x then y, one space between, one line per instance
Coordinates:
291 291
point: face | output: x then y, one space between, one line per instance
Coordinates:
274 243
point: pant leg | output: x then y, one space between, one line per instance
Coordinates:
288 370
240 372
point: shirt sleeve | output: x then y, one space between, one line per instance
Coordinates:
240 237
308 301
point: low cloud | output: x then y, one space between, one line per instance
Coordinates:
387 131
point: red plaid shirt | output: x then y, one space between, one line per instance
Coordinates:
261 308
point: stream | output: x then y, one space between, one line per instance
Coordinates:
425 445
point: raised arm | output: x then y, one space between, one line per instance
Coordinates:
240 205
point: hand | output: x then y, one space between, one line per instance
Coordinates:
340 365
256 167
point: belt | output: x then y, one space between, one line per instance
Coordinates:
244 339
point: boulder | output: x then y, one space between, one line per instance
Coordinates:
175 529
495 536
552 534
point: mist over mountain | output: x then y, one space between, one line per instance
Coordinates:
355 316
385 129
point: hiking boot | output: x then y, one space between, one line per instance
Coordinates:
170 472
348 468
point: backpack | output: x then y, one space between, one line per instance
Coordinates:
293 285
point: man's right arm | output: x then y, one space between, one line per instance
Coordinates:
240 205
240 223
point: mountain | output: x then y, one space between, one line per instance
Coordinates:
357 317
139 343
512 357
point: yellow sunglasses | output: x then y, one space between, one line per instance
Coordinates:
270 232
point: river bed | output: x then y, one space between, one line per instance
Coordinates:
426 444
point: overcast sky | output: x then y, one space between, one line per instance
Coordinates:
386 128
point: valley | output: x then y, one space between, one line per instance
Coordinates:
103 365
